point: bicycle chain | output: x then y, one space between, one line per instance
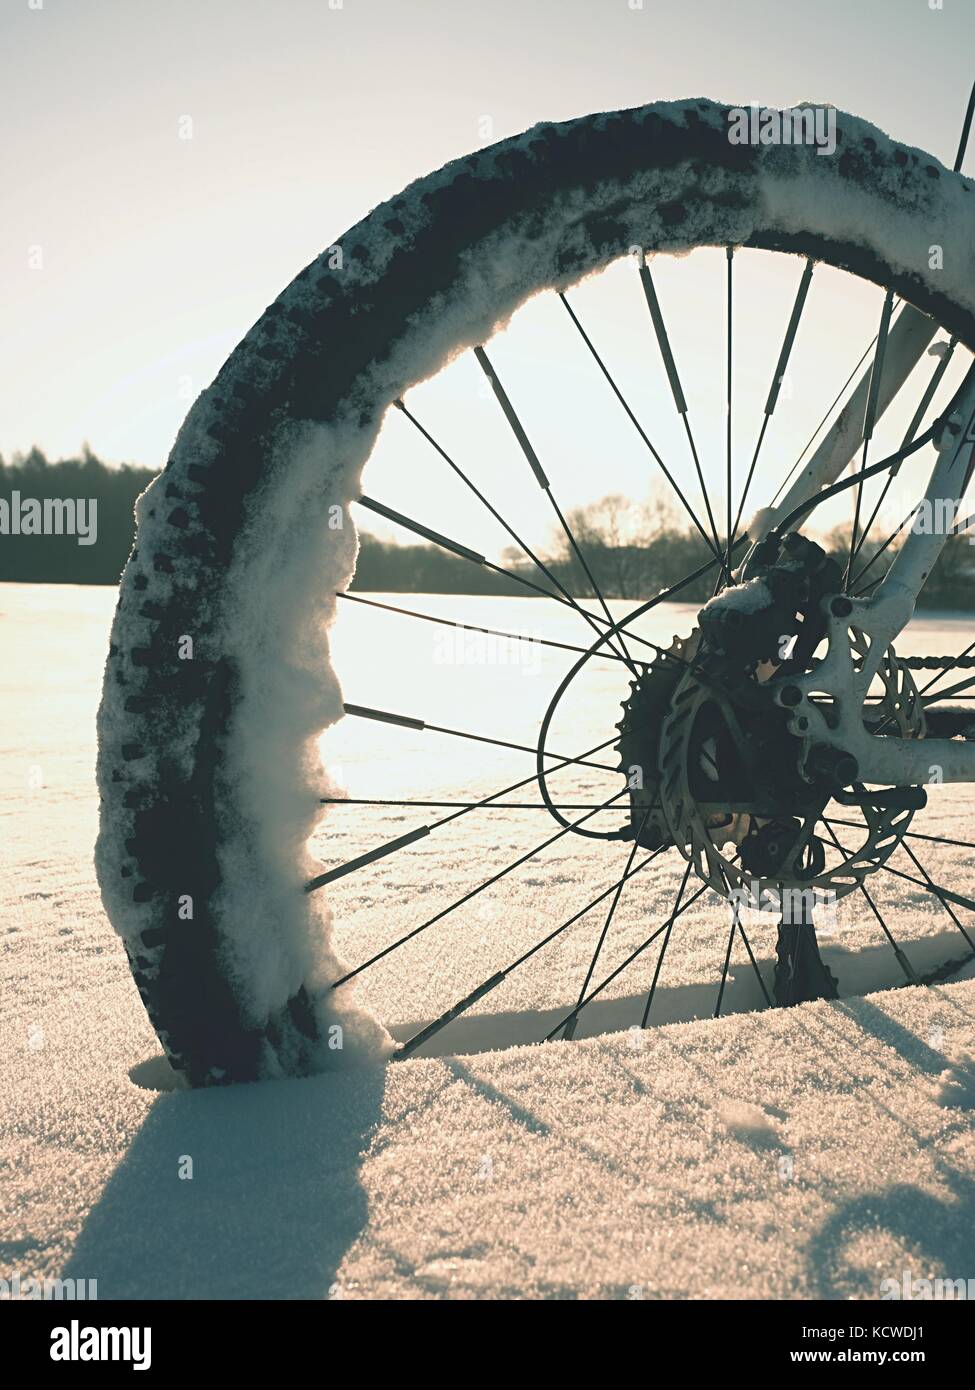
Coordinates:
938 663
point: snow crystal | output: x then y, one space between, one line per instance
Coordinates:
955 1086
748 1122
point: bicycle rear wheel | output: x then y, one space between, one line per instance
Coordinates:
218 679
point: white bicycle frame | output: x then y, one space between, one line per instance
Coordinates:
887 761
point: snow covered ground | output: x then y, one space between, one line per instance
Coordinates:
817 1151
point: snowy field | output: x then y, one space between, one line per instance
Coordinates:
813 1152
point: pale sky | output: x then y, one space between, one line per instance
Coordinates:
157 253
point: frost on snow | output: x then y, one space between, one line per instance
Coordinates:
591 1169
955 1088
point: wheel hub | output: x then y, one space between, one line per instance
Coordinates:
715 763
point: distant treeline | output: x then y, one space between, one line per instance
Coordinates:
425 569
632 551
60 559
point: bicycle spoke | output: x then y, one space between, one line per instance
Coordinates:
941 366
781 366
901 958
729 391
692 515
417 1040
467 805
961 526
958 527
910 834
870 419
541 478
965 131
873 517
946 694
549 1037
644 1022
931 884
940 675
727 962
488 883
945 894
670 366
407 722
736 923
488 631
858 593
402 841
599 625
829 410
464 552
523 545
928 395
754 962
941 695
571 1025
662 597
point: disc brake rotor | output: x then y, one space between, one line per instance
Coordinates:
714 765
778 849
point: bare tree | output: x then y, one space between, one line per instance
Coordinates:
634 549
613 534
